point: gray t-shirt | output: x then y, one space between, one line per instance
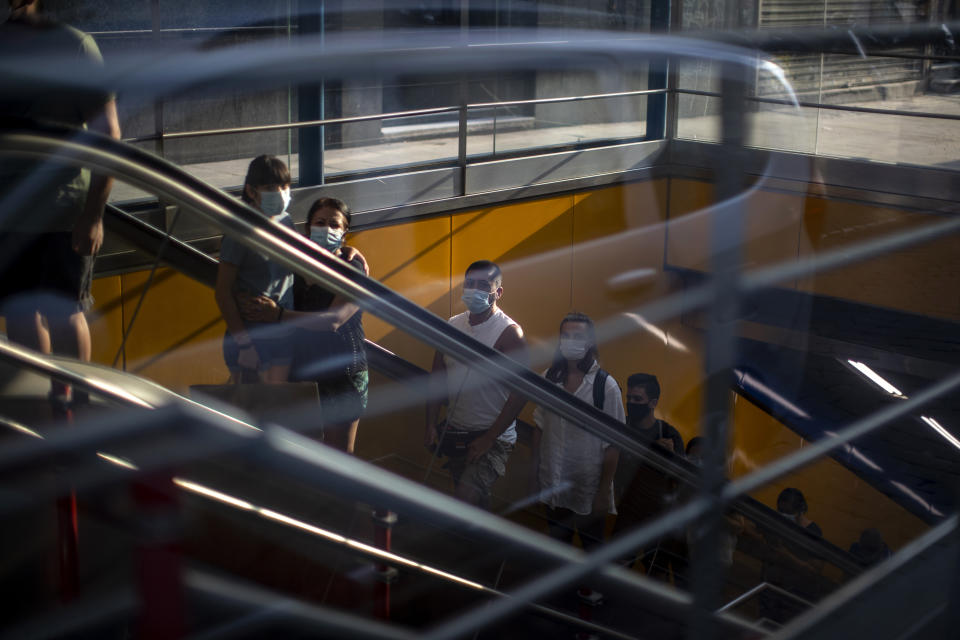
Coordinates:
41 195
257 274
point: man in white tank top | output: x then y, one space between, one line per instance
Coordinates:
476 404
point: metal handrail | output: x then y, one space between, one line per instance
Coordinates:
386 116
304 257
763 586
201 267
831 107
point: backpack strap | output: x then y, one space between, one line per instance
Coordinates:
600 388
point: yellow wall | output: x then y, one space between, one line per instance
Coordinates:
176 337
601 252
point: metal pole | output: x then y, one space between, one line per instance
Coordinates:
464 90
383 521
67 522
720 353
162 610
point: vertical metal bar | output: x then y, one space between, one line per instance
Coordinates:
657 74
720 355
461 188
159 571
68 534
158 125
383 521
310 103
673 76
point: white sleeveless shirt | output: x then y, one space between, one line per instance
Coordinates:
475 399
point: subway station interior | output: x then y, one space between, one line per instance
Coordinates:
751 200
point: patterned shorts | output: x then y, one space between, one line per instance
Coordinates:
484 471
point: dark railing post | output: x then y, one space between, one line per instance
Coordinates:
726 236
657 74
159 571
68 534
589 601
383 521
310 102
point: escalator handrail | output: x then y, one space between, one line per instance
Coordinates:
199 266
292 250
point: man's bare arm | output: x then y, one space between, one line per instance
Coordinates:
512 343
88 228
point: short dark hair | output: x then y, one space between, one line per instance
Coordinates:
265 170
330 203
649 383
694 442
791 501
486 265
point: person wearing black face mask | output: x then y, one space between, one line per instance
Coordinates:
643 393
642 491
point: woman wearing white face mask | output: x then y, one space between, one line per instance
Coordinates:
264 348
328 338
572 469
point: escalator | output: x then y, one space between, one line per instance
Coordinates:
297 515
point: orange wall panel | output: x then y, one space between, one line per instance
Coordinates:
414 260
177 336
770 226
920 279
106 319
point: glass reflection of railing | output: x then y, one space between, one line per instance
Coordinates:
463 117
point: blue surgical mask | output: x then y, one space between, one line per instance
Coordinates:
273 203
477 301
329 239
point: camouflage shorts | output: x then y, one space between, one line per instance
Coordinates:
484 471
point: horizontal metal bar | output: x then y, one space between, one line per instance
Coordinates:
831 107
384 116
291 125
743 597
451 579
595 96
830 39
30 359
763 586
277 607
224 30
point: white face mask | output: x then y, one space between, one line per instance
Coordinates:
329 239
273 203
573 348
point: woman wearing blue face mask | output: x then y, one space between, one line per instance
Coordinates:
250 345
328 334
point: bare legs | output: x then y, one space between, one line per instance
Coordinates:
341 436
63 335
